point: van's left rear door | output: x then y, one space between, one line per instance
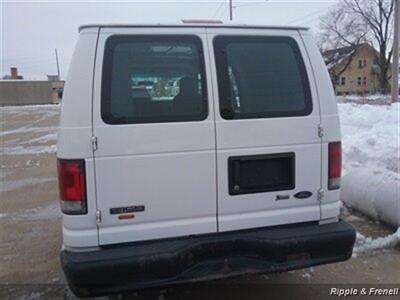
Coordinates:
153 119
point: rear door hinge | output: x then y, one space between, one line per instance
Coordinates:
94 143
98 216
320 194
320 131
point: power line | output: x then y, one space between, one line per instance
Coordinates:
218 9
28 59
30 67
250 4
231 6
223 12
30 63
302 18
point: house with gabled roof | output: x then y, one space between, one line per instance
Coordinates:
354 69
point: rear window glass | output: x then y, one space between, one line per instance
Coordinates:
261 77
153 79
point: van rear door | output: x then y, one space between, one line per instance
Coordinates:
267 118
155 160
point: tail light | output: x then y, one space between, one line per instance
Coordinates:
72 186
335 165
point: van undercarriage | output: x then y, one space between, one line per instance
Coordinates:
164 262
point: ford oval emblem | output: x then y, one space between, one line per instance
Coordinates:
303 195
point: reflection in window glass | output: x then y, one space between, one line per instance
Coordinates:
153 79
261 77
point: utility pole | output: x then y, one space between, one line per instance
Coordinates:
230 10
395 64
58 65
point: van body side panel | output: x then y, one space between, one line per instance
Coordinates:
330 123
74 137
296 135
163 171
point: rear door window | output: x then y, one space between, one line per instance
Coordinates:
261 77
151 79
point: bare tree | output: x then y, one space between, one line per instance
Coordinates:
352 21
339 29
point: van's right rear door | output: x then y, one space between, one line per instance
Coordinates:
267 118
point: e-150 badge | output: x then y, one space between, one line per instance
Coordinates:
126 209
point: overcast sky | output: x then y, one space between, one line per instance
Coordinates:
31 30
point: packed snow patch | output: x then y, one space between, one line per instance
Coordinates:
26 109
25 150
364 244
44 212
29 129
6 186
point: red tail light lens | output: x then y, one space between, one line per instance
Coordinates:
72 186
335 165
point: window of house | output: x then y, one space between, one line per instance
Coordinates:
261 77
153 79
362 63
365 81
343 80
359 81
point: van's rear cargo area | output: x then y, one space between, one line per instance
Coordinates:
195 258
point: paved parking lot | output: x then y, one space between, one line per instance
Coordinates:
30 231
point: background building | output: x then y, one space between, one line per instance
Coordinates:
354 70
14 90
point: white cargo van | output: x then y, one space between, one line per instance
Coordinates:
197 151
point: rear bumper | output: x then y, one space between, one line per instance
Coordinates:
196 258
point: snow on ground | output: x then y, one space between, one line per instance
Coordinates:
28 129
26 148
27 109
364 244
43 212
6 186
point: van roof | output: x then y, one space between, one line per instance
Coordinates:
196 24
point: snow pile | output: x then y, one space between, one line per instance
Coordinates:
376 196
364 244
371 160
370 138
